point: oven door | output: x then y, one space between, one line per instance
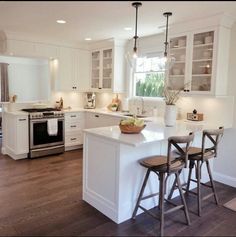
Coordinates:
39 137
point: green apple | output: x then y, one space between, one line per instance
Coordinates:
139 122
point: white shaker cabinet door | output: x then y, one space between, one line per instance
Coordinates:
22 135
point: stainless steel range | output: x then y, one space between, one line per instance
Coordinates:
41 142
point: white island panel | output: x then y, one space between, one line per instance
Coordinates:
112 175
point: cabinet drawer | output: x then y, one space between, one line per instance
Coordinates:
73 139
73 117
73 126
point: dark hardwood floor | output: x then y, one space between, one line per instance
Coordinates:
43 197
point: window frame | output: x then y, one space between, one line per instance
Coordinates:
133 83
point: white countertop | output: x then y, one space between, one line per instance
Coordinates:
155 131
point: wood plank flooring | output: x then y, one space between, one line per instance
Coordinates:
43 197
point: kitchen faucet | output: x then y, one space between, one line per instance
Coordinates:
142 106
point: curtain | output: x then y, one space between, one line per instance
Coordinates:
4 82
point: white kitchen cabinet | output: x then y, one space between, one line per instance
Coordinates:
200 61
74 125
67 71
107 68
20 48
16 135
73 70
46 50
94 120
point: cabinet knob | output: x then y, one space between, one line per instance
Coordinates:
99 88
97 116
73 116
73 126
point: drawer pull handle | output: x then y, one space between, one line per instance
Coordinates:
22 119
73 126
73 116
73 139
97 116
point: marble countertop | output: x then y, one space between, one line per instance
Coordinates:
155 131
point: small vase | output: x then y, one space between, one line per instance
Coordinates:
170 115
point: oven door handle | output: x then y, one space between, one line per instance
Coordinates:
44 120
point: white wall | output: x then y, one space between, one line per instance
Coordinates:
29 79
225 164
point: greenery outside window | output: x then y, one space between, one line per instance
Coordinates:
149 76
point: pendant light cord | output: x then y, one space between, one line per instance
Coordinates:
167 14
136 5
136 28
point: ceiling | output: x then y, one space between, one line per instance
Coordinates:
100 19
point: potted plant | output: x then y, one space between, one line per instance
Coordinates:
114 107
170 97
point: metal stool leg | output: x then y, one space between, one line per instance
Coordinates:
183 199
161 201
141 193
212 182
199 187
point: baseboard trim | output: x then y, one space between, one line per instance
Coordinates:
225 179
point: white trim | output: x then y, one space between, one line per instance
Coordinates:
225 179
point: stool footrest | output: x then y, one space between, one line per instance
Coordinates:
149 213
189 191
149 196
208 196
174 209
170 202
206 185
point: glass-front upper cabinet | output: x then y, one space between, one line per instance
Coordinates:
202 57
177 71
102 69
107 69
95 69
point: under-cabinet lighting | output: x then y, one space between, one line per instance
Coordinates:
128 28
61 21
87 39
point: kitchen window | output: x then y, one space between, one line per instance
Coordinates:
149 75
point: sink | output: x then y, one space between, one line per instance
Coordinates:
137 116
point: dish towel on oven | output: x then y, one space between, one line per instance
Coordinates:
52 127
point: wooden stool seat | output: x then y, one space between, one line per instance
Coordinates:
195 153
163 166
159 163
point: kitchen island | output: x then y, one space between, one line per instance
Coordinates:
112 176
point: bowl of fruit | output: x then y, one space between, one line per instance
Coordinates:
132 125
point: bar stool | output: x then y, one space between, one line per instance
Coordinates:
197 157
165 166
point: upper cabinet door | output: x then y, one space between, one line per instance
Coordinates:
202 62
96 65
178 55
108 67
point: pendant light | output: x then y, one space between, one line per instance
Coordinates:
168 59
135 49
167 15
